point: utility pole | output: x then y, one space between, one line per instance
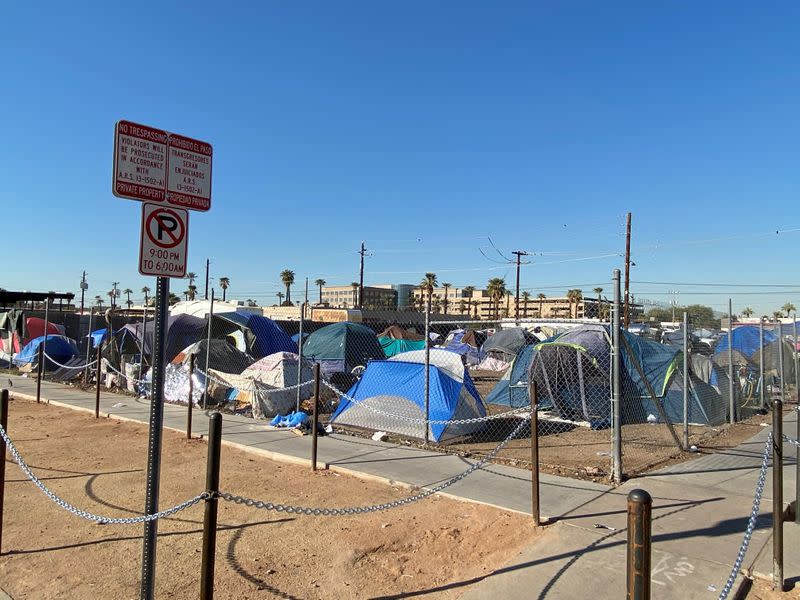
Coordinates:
114 293
361 277
84 287
519 254
626 313
208 262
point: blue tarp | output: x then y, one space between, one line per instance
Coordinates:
262 335
745 340
98 337
60 348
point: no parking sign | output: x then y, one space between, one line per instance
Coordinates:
165 234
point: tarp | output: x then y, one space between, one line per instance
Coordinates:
347 345
182 331
35 328
261 336
398 333
58 347
466 344
390 394
222 356
745 340
508 341
97 337
392 346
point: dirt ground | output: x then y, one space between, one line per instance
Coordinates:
437 546
762 590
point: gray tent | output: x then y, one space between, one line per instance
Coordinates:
508 342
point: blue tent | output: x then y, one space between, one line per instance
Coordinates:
512 389
391 394
262 336
60 348
745 341
98 337
342 346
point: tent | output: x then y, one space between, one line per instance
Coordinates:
222 356
512 389
396 332
58 347
182 331
394 340
746 343
341 347
262 384
256 335
390 394
35 329
506 343
296 337
97 337
466 343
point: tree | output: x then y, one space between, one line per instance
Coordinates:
146 291
192 289
191 277
598 291
251 303
777 315
525 297
112 294
287 277
436 304
128 292
446 287
541 298
697 314
173 299
468 291
747 312
99 301
428 283
280 298
497 289
788 308
319 283
355 286
574 296
463 306
224 283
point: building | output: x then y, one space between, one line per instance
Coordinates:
346 296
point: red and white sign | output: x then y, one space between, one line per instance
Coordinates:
165 235
153 165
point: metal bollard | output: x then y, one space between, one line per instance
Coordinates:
210 514
640 510
97 387
191 395
315 419
4 423
777 493
39 372
535 510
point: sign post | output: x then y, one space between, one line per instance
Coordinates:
169 173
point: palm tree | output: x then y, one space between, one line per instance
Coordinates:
128 292
111 294
193 291
319 283
777 315
146 291
497 289
446 287
355 286
598 291
463 306
788 308
224 283
747 312
287 277
540 296
191 277
173 299
525 297
427 284
280 298
468 291
574 296
185 294
99 301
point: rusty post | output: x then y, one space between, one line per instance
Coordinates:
777 492
315 416
4 423
210 514
535 510
40 374
640 510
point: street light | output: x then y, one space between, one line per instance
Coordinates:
673 301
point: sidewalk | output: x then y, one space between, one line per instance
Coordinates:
700 507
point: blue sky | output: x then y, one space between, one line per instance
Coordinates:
422 128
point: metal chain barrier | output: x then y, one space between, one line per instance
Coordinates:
85 514
252 387
58 364
522 411
751 523
357 510
786 438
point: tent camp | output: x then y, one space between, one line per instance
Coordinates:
58 347
506 343
341 347
391 394
263 384
746 344
256 335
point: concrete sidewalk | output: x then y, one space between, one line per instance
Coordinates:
700 507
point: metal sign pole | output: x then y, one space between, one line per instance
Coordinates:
761 381
154 443
616 382
731 399
685 381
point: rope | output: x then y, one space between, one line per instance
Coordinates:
55 362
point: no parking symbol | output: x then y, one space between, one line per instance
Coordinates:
165 232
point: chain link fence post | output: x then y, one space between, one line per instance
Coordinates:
39 370
4 424
762 382
191 396
732 398
797 425
211 505
640 510
315 417
427 390
616 383
97 382
208 350
88 347
685 381
777 493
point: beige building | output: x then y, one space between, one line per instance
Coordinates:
346 296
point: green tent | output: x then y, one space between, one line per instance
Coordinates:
342 346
